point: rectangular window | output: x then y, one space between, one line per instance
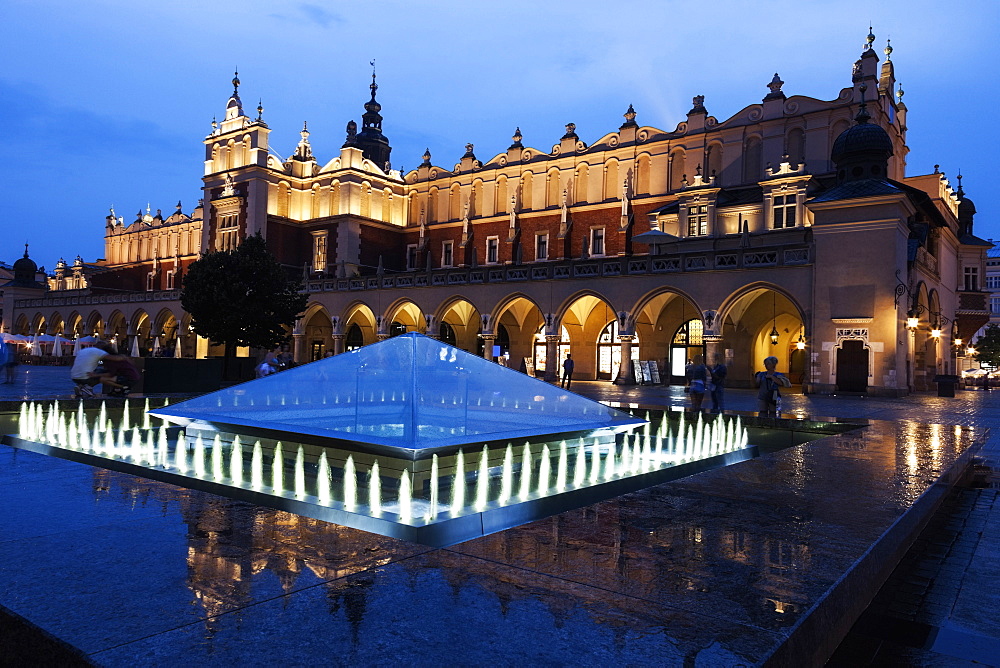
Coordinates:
995 305
972 278
992 282
319 251
448 254
697 221
411 257
542 246
784 211
226 238
492 249
170 279
597 241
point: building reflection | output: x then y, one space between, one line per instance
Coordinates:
672 547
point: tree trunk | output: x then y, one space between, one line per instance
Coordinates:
229 366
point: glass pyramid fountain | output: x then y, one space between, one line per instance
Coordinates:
409 392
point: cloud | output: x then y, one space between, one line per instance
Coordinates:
306 13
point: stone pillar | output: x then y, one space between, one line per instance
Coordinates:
488 340
338 344
713 346
626 375
552 361
298 346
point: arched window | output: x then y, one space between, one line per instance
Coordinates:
580 183
335 198
455 203
447 334
796 141
314 202
526 191
552 196
541 352
642 168
354 339
502 195
476 199
612 187
432 205
714 162
386 215
688 341
284 195
677 169
752 157
366 200
609 352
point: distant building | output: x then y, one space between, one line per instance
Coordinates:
788 229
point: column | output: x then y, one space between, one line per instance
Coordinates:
298 343
488 340
553 365
338 344
713 346
626 374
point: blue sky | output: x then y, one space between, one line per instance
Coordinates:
106 102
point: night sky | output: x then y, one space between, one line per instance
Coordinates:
106 102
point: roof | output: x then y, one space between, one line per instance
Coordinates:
862 188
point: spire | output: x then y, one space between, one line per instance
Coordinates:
888 49
373 144
235 117
870 40
960 192
236 83
260 110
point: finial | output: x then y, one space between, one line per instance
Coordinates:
25 249
775 85
260 109
427 158
178 206
888 49
871 38
961 193
304 133
899 93
937 169
863 115
374 85
629 114
236 83
468 151
570 131
147 208
215 125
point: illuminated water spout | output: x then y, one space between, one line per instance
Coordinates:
374 490
350 484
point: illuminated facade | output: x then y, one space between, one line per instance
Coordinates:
786 230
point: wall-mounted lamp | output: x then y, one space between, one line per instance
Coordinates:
801 343
970 351
912 321
958 343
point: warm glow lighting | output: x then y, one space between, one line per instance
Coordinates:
800 344
774 336
936 333
970 351
958 342
912 322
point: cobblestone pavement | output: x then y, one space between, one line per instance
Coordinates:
940 607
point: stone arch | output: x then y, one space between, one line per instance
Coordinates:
584 315
55 324
95 325
404 313
519 317
465 320
455 202
643 169
38 324
795 145
476 205
553 190
141 333
753 159
502 195
116 330
74 325
713 162
316 328
360 315
657 316
612 180
746 319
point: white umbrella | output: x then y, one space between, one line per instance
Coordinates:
36 347
156 345
76 347
135 346
57 346
10 337
178 352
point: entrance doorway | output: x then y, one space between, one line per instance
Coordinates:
688 342
852 367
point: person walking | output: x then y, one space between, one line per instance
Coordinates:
770 383
567 376
719 372
697 377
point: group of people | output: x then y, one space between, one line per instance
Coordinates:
9 361
704 379
101 364
276 360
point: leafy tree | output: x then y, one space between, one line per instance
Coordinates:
242 297
988 347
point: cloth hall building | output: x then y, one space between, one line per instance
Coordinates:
789 229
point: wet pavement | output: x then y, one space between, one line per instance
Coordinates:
717 569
